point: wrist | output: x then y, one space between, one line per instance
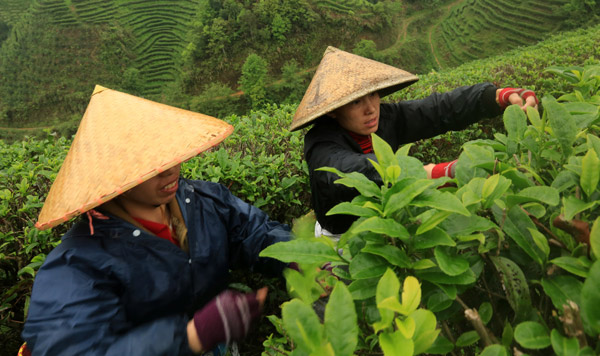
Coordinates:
193 340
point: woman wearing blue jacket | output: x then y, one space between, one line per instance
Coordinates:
145 271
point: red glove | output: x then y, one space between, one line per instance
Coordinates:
226 318
507 92
445 169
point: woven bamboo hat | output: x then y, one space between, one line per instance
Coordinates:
122 141
342 77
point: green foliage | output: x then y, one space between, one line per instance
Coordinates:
173 50
254 79
260 162
517 235
217 100
474 28
26 170
365 48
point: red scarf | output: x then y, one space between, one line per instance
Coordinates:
158 229
365 142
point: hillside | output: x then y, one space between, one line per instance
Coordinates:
189 52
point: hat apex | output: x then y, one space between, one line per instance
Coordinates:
342 77
122 141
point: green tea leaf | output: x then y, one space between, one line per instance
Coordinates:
450 264
515 286
532 335
507 334
534 117
494 350
301 251
493 188
303 287
432 238
355 180
302 325
340 322
437 276
411 295
485 312
541 194
365 265
433 221
404 150
392 254
384 153
425 332
515 122
563 346
378 225
388 286
564 180
516 226
541 242
395 344
572 264
561 288
407 327
443 201
438 301
573 206
348 208
468 338
590 299
441 346
403 197
363 288
562 123
593 142
590 172
595 238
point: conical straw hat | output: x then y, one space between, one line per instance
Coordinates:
342 77
122 141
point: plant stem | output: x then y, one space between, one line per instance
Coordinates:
572 323
486 336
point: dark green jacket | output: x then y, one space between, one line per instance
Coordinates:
328 145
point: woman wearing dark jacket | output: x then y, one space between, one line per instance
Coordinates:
343 103
145 272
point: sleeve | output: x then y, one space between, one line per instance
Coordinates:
440 112
250 230
76 310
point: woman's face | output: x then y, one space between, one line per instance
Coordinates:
157 190
360 116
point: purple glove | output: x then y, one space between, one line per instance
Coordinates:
226 318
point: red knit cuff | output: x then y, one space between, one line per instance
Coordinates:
445 169
507 92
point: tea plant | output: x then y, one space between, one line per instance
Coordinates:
26 170
507 259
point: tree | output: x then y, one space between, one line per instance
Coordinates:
280 26
254 79
292 82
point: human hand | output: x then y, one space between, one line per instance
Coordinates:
224 319
445 169
519 96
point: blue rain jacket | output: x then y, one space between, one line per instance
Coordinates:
123 291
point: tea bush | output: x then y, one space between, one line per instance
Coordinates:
504 262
